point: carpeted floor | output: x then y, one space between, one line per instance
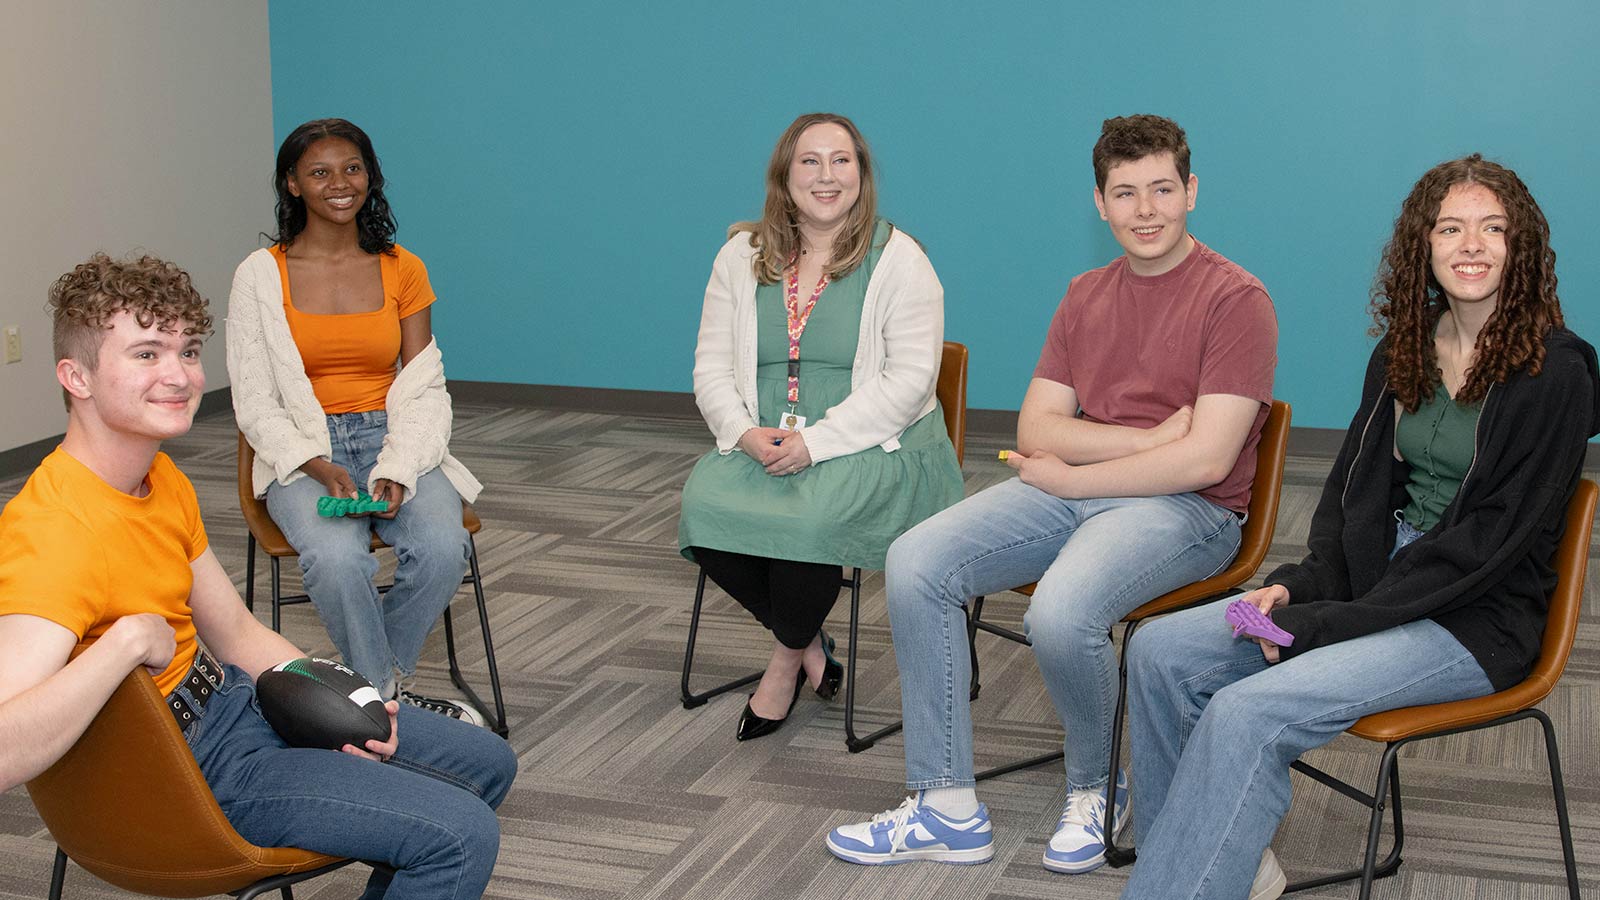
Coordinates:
625 794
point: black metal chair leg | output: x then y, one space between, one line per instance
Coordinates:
1116 856
488 642
1386 770
692 700
58 874
250 572
277 593
854 743
497 717
974 614
1559 789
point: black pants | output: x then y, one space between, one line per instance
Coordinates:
792 599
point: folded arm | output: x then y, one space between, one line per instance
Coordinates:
1049 421
1201 458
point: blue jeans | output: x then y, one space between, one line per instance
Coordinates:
1214 729
428 812
377 636
1095 561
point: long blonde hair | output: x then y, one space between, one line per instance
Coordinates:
777 234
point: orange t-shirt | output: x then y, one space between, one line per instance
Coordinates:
351 357
83 554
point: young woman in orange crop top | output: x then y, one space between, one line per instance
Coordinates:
339 388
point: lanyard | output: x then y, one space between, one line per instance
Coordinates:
797 323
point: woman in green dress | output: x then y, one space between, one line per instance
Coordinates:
815 369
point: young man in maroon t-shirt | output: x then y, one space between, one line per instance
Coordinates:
1136 446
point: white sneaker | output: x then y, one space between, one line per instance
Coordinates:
454 710
1270 880
1079 842
912 832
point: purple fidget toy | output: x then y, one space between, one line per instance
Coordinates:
1247 619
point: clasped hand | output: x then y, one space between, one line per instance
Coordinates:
786 458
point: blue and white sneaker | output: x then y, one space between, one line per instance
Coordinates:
1079 842
912 832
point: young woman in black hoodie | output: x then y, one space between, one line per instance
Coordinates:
1429 563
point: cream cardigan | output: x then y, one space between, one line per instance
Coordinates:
281 418
896 366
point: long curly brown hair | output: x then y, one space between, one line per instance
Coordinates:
1407 300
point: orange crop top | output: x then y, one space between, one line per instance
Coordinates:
351 358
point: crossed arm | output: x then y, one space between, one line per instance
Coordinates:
1070 457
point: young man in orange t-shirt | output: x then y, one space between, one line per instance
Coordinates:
104 548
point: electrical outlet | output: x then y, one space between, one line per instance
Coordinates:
13 343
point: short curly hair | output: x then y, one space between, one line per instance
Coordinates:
1129 138
152 290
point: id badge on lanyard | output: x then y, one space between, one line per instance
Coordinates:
797 319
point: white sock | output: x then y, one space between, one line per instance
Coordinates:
953 802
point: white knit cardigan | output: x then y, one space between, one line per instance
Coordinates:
896 369
279 413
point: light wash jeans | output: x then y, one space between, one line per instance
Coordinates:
1095 560
1214 729
428 811
377 636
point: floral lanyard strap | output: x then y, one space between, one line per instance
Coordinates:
797 323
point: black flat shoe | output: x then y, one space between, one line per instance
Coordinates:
752 726
832 671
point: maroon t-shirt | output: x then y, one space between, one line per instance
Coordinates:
1136 348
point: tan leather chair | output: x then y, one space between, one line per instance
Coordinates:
951 391
128 803
1399 727
265 533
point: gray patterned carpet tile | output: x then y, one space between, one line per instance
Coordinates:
625 795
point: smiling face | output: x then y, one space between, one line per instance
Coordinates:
1467 245
146 382
331 179
824 178
1147 205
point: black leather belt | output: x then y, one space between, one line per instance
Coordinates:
204 678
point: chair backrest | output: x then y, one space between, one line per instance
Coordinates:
952 393
128 803
256 517
1255 538
1572 566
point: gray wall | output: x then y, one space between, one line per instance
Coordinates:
124 126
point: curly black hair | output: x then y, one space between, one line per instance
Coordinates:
375 223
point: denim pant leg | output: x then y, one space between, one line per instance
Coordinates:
337 568
432 552
992 541
1127 552
1234 725
428 812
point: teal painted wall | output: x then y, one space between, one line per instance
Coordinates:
568 170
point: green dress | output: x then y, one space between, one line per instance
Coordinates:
846 510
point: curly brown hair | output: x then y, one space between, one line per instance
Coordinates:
154 291
1130 138
1407 300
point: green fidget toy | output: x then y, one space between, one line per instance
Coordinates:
330 507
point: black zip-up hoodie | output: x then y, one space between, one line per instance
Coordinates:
1483 572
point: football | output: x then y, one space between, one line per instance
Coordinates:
320 703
